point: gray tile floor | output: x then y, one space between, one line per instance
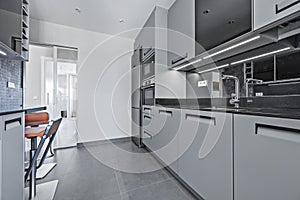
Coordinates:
83 177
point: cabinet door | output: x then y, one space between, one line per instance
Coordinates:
10 18
268 11
167 140
220 21
206 148
267 158
181 32
12 135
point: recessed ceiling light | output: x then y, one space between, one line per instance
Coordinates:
121 20
3 53
78 10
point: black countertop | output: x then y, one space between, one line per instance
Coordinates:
279 108
26 110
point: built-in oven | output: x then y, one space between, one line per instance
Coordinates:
148 92
148 66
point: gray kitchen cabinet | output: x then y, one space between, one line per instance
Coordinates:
181 32
167 139
14 36
154 34
12 156
206 153
268 11
267 158
160 130
168 83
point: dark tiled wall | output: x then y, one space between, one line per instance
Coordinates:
10 99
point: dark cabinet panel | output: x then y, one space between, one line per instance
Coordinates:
220 21
288 66
264 69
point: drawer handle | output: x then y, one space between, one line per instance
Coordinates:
12 123
147 117
147 109
150 136
201 118
180 58
284 133
166 112
284 5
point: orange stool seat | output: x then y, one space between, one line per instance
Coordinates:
35 132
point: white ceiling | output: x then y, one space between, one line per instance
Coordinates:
97 15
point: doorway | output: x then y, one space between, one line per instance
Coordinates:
58 88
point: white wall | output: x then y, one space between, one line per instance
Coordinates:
33 75
103 78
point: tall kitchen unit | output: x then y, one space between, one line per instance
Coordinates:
136 105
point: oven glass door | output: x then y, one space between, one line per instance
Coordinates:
149 96
148 70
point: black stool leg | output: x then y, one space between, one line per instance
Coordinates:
32 179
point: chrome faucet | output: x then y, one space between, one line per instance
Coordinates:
248 80
235 98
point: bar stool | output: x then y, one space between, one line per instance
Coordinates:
36 123
42 132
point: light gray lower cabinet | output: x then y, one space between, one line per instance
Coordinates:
206 149
160 134
167 139
12 157
267 158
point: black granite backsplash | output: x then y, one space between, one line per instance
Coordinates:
11 71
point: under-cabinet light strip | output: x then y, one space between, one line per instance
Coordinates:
3 53
188 64
219 52
212 69
233 47
260 56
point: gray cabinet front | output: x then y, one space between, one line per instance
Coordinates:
12 153
268 11
167 140
206 149
181 32
267 158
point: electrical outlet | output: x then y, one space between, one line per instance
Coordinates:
259 94
11 85
202 83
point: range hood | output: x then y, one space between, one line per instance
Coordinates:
282 35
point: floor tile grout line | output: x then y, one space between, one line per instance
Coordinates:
119 186
176 183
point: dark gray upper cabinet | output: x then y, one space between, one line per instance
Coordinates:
14 22
220 21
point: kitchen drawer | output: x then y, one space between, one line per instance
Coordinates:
167 140
206 149
268 11
267 158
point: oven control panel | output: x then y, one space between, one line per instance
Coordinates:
149 82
